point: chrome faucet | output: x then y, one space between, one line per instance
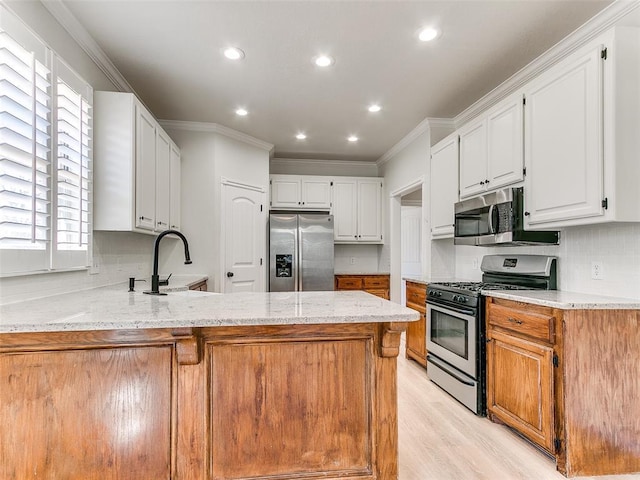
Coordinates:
155 278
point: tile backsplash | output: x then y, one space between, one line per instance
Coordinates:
616 247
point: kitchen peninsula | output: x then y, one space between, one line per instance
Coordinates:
109 384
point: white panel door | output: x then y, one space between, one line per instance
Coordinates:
444 186
473 158
176 175
145 170
163 180
244 223
505 143
285 192
345 212
411 240
369 210
563 141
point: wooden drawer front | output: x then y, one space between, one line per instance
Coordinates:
378 292
532 324
417 295
376 281
348 283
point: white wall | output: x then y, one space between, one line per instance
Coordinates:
207 158
616 246
119 255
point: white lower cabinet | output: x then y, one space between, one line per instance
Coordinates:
357 209
444 186
134 165
581 136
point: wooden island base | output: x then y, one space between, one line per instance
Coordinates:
295 402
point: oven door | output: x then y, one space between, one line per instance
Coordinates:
452 337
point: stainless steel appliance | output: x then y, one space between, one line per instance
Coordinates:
455 322
300 252
496 218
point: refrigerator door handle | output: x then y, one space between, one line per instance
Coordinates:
297 261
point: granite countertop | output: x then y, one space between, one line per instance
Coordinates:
566 300
426 279
110 308
361 273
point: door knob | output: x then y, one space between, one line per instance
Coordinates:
229 274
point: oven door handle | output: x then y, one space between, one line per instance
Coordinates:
448 308
453 374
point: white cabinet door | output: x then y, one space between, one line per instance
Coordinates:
345 213
444 186
369 210
174 211
163 181
285 191
505 143
316 193
145 170
563 141
473 158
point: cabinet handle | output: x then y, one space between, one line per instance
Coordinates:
298 203
486 181
355 236
359 236
515 320
481 183
144 218
161 223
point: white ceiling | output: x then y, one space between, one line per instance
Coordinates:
170 53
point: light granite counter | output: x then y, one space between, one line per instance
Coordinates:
566 300
111 308
427 279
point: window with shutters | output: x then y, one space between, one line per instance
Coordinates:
45 156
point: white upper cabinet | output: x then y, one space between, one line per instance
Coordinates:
444 186
133 158
582 124
357 210
491 149
300 192
473 158
176 176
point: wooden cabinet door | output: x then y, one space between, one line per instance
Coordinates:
417 339
473 158
175 169
370 210
285 191
163 181
87 414
563 141
444 186
345 213
520 386
316 193
505 143
145 192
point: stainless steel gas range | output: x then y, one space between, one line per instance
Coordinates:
455 322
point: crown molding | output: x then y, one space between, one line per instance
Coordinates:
316 161
589 30
71 24
216 128
419 130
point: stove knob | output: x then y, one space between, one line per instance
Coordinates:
462 299
455 298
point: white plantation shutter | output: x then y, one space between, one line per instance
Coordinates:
73 182
45 156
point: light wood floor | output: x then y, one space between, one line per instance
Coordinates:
442 440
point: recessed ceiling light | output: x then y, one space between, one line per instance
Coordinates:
352 138
374 108
324 60
242 112
428 34
301 136
233 53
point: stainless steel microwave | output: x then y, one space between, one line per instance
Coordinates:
497 218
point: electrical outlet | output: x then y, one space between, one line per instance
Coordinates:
352 260
475 263
597 271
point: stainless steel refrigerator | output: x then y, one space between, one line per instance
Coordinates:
300 252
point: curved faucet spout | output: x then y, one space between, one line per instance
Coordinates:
155 278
